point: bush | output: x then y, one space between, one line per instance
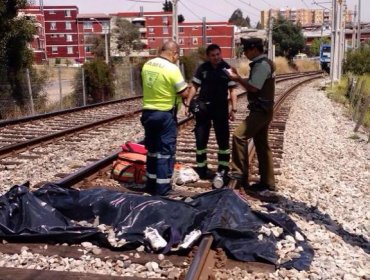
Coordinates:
358 61
282 65
190 63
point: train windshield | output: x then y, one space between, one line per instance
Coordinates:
325 49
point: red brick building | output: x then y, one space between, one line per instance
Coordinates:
38 45
90 25
63 33
156 28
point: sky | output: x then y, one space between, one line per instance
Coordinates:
212 10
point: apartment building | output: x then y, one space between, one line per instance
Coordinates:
88 26
305 17
61 31
64 33
156 28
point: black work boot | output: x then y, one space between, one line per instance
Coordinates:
204 173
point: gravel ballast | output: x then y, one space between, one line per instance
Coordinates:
325 183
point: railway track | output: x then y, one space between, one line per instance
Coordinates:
204 259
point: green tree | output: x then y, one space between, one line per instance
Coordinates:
357 61
315 46
15 56
97 46
180 18
98 82
167 6
238 19
287 37
248 22
128 36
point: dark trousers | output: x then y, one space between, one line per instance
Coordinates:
160 141
255 126
202 132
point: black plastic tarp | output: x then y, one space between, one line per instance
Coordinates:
46 215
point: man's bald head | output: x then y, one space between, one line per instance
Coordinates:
170 50
170 46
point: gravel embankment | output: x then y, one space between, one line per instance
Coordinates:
325 183
328 169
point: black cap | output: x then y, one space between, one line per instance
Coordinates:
251 43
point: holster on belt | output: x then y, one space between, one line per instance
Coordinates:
261 105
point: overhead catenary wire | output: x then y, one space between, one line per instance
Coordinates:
236 6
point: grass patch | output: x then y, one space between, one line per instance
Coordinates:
305 65
282 66
355 99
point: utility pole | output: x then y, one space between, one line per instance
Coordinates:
354 29
204 32
270 54
359 25
333 39
105 30
175 27
342 29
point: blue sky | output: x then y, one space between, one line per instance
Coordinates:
213 10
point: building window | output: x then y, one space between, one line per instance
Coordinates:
195 28
181 41
209 40
165 20
69 38
67 13
53 25
165 30
87 25
70 50
88 49
151 29
181 29
68 25
195 41
54 49
51 12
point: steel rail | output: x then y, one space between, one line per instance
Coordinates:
67 111
4 151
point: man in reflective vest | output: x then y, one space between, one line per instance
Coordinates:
163 86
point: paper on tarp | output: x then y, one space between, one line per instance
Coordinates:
223 213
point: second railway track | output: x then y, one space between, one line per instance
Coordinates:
185 144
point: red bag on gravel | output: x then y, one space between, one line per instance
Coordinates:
130 168
134 148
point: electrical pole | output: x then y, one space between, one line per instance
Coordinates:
342 28
204 32
354 29
175 27
333 40
359 25
270 52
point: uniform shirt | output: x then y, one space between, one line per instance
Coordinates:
162 81
213 82
259 73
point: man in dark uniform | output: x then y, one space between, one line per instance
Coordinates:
215 86
261 90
